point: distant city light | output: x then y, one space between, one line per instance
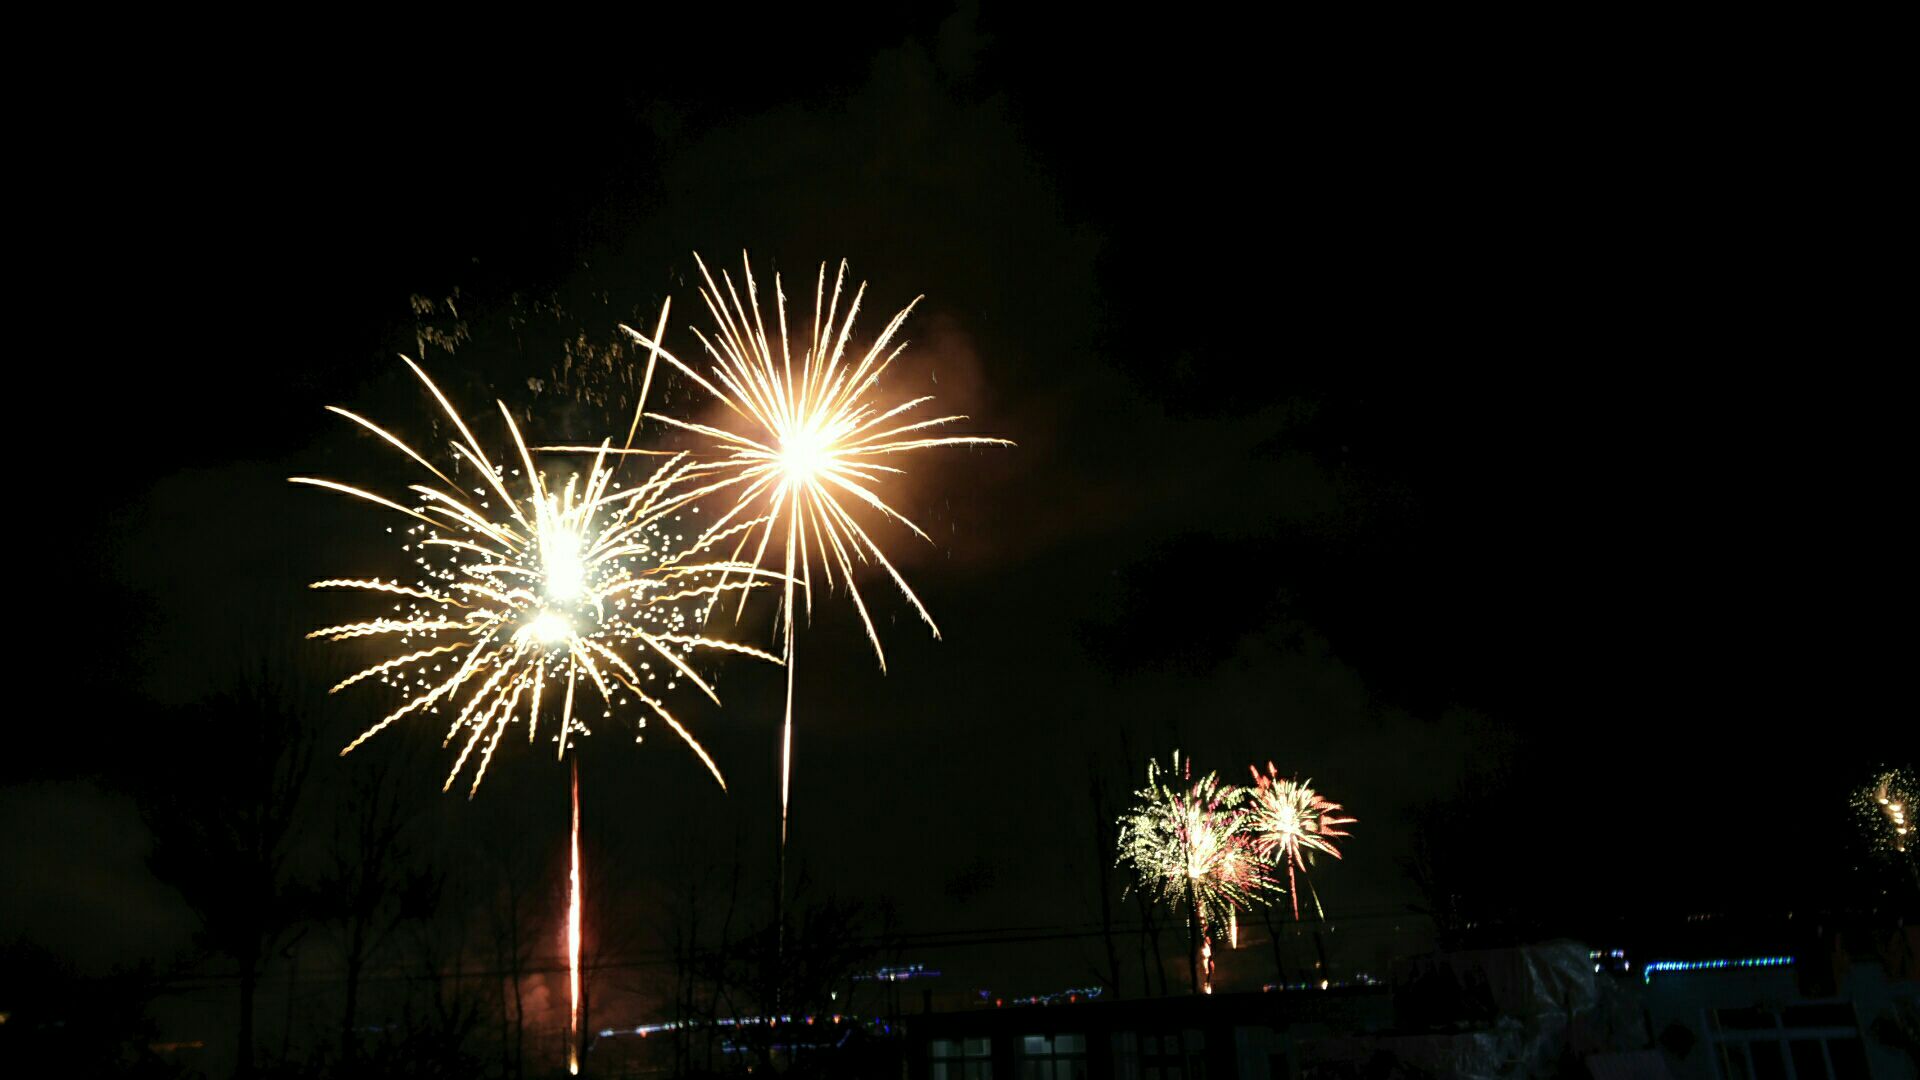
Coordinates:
1071 995
896 974
1359 979
645 1030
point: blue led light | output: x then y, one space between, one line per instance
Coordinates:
1654 967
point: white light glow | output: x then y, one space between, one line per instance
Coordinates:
551 629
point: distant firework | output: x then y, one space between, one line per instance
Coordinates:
1289 822
1886 811
517 600
1188 842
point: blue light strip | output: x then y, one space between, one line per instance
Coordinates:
1647 973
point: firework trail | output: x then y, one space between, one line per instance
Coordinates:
525 597
805 441
1289 822
584 579
574 900
1190 847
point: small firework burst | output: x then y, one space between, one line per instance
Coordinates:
520 599
1886 810
1290 822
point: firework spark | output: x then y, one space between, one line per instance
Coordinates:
583 580
1290 821
806 443
1190 846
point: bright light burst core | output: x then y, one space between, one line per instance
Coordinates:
549 628
803 455
521 598
566 576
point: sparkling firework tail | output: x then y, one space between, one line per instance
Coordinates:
574 901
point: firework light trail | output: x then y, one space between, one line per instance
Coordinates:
804 435
573 935
585 580
1190 846
1289 822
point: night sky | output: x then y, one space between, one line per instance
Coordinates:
1509 430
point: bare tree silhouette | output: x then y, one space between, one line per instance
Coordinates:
371 881
223 814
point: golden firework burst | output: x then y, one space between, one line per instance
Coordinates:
580 580
805 442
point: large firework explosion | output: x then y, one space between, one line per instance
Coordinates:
802 435
1188 842
519 599
1290 822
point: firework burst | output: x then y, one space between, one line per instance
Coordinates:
521 599
1189 844
1886 809
1290 822
804 443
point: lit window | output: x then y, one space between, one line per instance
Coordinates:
962 1059
1053 1057
1168 1056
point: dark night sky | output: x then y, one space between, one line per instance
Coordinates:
1417 417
